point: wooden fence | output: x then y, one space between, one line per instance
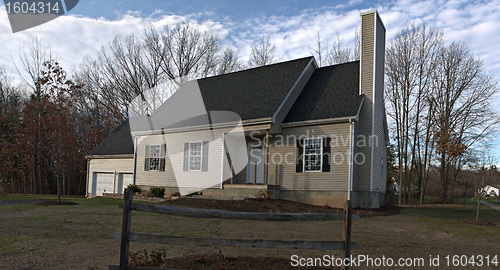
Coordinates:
127 236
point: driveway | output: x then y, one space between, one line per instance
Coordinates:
491 205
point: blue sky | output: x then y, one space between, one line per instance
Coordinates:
292 25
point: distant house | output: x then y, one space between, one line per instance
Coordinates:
313 134
490 190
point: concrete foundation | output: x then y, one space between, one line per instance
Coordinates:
368 200
330 198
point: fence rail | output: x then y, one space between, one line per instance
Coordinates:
210 213
127 236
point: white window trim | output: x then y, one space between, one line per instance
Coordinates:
201 157
320 157
159 157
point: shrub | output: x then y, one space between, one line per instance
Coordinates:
152 259
135 188
157 192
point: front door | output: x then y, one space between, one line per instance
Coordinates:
255 166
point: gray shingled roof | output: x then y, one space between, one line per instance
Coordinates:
118 142
331 92
253 93
257 93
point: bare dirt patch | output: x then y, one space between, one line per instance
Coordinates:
474 222
55 202
273 206
211 259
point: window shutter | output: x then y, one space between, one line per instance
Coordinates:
204 159
300 156
327 150
146 159
186 157
163 152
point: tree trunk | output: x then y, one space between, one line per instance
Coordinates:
58 189
478 206
444 185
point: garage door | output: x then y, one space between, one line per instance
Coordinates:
124 179
103 183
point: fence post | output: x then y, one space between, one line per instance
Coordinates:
277 175
232 173
346 253
126 224
255 173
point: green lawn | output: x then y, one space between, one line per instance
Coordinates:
80 236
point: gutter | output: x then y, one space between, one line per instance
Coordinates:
109 156
320 121
266 120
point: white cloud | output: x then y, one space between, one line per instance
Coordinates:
74 37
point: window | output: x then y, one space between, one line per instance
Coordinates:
155 157
195 156
313 155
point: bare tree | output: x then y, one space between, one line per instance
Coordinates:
141 73
356 45
30 61
263 53
6 89
464 115
411 57
185 52
338 53
30 66
229 61
321 52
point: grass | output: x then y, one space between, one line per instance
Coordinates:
80 236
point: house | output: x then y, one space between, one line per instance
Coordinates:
290 130
490 190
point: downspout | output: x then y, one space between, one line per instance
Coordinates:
135 159
223 159
351 161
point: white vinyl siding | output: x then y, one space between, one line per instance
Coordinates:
365 128
174 165
282 153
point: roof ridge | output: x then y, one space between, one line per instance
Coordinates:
340 64
259 67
